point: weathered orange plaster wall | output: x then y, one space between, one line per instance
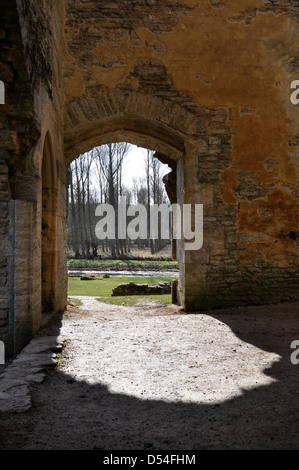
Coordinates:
213 55
221 61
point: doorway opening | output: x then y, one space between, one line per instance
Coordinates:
130 180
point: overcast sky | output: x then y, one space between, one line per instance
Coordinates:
134 165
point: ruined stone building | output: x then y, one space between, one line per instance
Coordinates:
204 83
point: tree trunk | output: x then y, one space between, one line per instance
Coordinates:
74 219
79 205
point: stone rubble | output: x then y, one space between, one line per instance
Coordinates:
142 289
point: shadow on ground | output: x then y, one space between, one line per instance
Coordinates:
71 414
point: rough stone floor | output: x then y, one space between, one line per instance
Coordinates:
155 378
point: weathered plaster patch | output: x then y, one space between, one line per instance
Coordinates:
276 216
76 86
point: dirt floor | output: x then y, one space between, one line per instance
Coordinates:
156 378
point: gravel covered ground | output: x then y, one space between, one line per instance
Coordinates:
155 378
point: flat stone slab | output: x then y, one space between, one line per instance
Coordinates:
28 367
142 289
94 277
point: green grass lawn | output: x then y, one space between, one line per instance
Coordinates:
102 289
122 264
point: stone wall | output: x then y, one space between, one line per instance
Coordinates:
18 132
33 107
5 251
42 29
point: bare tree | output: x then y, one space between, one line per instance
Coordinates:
156 193
73 212
96 177
110 159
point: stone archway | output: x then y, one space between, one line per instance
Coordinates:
102 115
172 131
